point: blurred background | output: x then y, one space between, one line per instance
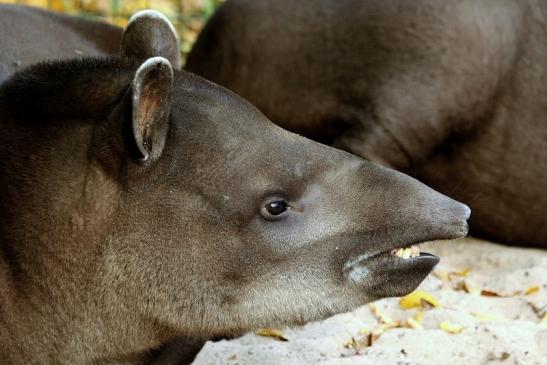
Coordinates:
188 16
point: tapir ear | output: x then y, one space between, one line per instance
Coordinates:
150 34
150 105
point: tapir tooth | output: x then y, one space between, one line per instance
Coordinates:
406 253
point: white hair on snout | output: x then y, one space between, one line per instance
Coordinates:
355 270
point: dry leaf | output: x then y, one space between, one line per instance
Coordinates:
419 316
543 321
381 315
490 293
462 272
447 276
449 327
484 316
269 332
531 290
442 275
378 331
415 322
351 343
419 298
412 323
468 288
359 343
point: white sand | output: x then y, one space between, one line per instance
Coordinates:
496 330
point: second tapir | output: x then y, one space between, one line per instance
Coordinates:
140 203
453 92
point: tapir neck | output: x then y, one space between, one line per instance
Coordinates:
56 219
68 90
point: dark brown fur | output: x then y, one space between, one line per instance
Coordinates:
31 35
452 92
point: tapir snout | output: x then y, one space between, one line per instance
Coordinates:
401 217
375 212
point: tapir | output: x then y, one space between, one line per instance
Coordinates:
31 35
451 92
140 203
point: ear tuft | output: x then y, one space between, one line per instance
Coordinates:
150 34
151 103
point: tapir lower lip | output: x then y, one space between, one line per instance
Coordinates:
425 257
400 276
393 275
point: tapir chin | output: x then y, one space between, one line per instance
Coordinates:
140 203
451 92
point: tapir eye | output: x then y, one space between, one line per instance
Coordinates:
274 209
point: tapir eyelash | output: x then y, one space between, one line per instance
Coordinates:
296 209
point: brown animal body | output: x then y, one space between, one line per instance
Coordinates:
452 92
31 35
140 203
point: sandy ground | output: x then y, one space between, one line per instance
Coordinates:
500 325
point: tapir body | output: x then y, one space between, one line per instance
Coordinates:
31 35
141 203
452 92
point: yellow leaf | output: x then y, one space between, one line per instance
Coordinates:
412 323
269 332
531 290
462 272
358 344
471 289
378 331
444 276
450 327
543 321
381 315
484 316
419 316
418 298
351 343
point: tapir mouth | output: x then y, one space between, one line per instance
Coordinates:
412 253
411 256
399 256
396 270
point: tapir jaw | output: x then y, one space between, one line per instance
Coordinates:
388 273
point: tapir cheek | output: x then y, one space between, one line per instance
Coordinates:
299 230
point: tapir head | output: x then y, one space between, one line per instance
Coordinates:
164 199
